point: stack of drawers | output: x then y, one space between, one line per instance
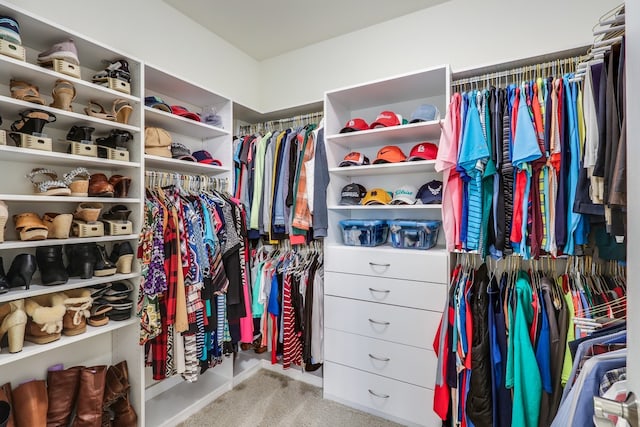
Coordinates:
382 310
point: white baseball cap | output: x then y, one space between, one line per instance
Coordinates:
405 195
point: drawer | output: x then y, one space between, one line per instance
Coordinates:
406 293
387 322
427 266
396 361
380 395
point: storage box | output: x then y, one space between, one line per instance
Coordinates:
3 137
87 229
13 50
119 85
32 141
364 232
82 149
117 228
67 68
113 153
414 234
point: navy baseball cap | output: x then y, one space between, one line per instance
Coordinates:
203 156
430 193
157 102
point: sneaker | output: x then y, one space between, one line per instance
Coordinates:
118 69
65 50
10 30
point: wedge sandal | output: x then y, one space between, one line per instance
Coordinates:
96 110
4 216
46 183
122 110
78 181
25 91
30 226
88 212
59 225
64 93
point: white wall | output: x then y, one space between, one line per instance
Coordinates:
154 32
463 33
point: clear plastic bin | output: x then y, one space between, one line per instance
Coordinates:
414 234
363 232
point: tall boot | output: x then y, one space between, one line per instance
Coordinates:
5 394
30 404
5 412
123 413
52 271
90 395
62 390
82 260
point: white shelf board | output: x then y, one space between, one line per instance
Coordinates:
413 132
36 289
181 125
31 349
185 399
160 81
424 166
18 244
384 207
436 250
28 155
68 199
12 107
175 165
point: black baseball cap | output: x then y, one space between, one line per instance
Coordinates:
352 194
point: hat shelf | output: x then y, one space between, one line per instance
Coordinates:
412 132
185 166
425 166
177 124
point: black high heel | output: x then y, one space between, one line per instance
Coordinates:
21 271
80 133
82 260
31 121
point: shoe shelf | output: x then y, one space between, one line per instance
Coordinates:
176 124
20 244
398 208
425 166
414 132
175 165
36 289
70 199
31 349
54 158
12 107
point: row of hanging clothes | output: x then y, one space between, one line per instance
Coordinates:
281 176
511 343
194 277
537 166
287 303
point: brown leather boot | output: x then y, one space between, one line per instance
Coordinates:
90 394
123 413
62 390
5 394
30 404
116 384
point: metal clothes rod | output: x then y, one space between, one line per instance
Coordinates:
189 182
272 125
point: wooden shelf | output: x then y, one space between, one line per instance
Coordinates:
175 165
414 132
424 166
181 125
19 244
28 155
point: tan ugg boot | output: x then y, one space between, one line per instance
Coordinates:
44 321
78 305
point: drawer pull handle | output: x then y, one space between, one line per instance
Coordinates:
378 265
384 291
381 396
381 359
379 323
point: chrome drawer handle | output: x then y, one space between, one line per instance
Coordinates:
384 291
381 359
379 323
379 265
381 396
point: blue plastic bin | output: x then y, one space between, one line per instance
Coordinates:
414 234
364 232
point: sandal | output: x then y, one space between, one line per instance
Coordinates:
99 312
99 186
120 184
64 93
96 110
117 213
30 226
48 187
59 225
78 182
88 212
26 92
31 121
122 110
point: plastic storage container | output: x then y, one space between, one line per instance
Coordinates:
414 234
364 232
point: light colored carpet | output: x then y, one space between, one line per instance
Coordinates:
268 399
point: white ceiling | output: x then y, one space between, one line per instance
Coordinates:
267 28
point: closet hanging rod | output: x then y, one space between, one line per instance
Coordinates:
300 120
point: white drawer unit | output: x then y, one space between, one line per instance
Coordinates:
396 361
406 293
429 266
380 395
386 322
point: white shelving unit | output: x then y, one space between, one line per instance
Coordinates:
118 340
374 295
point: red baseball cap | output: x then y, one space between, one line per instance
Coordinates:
354 125
423 151
203 156
183 112
386 119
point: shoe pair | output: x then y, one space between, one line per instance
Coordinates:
115 186
48 260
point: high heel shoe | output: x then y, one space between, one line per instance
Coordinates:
25 91
4 283
120 184
64 93
122 257
82 260
103 266
59 225
31 121
122 110
78 182
21 271
117 138
14 320
4 216
117 213
80 133
96 110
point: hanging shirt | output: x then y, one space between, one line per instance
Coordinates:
258 182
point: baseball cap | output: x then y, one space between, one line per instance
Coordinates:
354 125
430 193
183 112
405 195
352 194
423 151
354 159
156 137
387 118
377 196
425 113
203 156
158 151
390 154
181 152
157 102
